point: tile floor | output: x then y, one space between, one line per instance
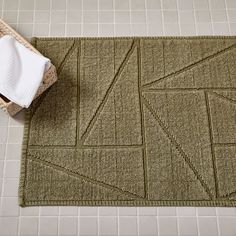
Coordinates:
107 18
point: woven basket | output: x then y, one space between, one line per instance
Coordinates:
50 76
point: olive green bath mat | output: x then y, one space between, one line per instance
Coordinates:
134 121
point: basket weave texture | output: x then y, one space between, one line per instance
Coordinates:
50 76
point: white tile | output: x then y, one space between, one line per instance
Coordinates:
74 4
105 5
188 226
127 211
9 207
88 211
221 28
217 4
206 211
57 30
58 17
30 211
73 30
122 29
48 226
170 16
167 226
13 151
227 226
89 5
1 168
226 211
11 4
128 226
204 28
186 211
106 30
1 181
153 4
147 225
3 134
10 187
203 16
74 17
26 30
12 169
68 211
88 226
49 211
28 226
68 226
90 17
121 5
171 29
41 30
201 4
108 226
188 29
10 16
107 211
219 15
233 28
137 4
3 118
15 134
26 5
169 4
58 4
155 29
167 211
232 15
122 17
186 17
8 226
185 4
139 29
25 17
90 30
106 17
154 17
42 5
42 17
147 211
138 17
208 226
2 151
231 3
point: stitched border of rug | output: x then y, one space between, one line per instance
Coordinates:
133 121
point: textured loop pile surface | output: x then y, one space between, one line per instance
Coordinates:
134 121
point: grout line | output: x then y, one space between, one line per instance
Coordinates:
58 220
217 221
98 221
98 23
82 18
18 14
195 19
146 24
162 16
130 18
137 220
34 13
66 18
227 16
157 220
177 221
197 220
177 5
50 18
78 215
118 221
39 221
209 4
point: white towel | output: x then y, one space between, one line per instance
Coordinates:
21 71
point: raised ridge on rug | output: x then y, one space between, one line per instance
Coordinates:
133 121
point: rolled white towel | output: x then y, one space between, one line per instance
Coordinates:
21 71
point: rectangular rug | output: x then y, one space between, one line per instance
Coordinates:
145 121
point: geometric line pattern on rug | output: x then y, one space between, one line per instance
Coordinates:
118 115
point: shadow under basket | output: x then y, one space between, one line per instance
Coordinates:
49 78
